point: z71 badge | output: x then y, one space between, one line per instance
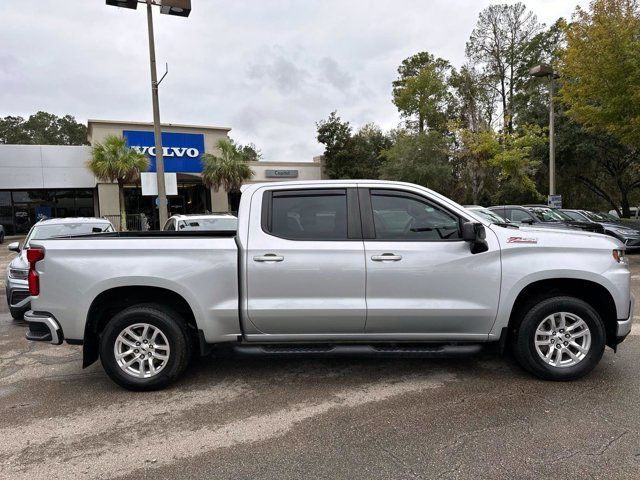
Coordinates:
522 240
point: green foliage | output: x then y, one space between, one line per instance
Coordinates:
350 155
420 92
229 169
42 128
601 67
420 158
516 166
113 161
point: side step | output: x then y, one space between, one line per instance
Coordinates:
423 350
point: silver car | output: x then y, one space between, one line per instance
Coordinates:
17 288
209 222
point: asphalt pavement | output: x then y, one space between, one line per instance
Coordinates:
473 418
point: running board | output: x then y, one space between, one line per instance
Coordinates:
362 350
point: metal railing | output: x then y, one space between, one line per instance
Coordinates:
135 222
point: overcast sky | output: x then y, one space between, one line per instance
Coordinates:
269 69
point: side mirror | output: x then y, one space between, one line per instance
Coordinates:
475 234
14 247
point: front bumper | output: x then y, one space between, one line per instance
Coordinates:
624 326
18 294
43 327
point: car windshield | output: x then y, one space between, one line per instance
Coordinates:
602 217
548 215
488 215
575 215
211 224
42 232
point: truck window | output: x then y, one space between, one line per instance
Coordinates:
399 216
309 216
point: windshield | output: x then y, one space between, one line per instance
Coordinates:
211 224
42 232
602 217
548 215
488 215
575 215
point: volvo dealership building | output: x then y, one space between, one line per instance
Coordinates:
38 181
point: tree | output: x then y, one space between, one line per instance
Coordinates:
601 69
350 155
229 169
474 99
497 42
420 91
517 166
474 158
113 161
250 152
421 158
43 128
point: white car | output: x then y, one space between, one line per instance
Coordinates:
17 288
215 222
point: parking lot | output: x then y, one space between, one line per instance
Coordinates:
349 418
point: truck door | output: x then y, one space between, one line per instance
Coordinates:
421 276
305 270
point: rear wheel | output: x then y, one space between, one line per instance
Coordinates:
145 347
560 338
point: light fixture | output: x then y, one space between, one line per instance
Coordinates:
133 4
180 8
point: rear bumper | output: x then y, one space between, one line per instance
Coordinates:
43 327
624 326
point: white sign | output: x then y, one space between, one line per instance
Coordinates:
169 152
555 201
149 181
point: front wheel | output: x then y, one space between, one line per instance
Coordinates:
145 347
560 338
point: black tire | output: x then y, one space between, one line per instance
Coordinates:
171 325
17 313
523 340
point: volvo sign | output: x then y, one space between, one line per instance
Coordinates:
181 151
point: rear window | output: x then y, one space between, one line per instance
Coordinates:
309 215
43 232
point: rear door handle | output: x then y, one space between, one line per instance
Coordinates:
391 257
268 257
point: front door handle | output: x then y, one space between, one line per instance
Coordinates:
391 257
268 257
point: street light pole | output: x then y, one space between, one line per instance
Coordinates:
552 141
162 193
546 70
180 8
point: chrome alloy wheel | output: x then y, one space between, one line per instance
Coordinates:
141 350
562 339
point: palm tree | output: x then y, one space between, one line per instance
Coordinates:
229 169
113 161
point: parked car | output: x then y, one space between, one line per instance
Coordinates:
613 226
489 215
548 214
2 234
17 288
332 268
519 215
211 222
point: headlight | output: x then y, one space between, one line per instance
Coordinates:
18 273
626 232
619 256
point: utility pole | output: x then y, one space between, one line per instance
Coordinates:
162 192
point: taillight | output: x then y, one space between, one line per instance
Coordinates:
34 255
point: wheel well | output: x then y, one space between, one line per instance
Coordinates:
590 292
112 301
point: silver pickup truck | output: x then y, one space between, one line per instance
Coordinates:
333 268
